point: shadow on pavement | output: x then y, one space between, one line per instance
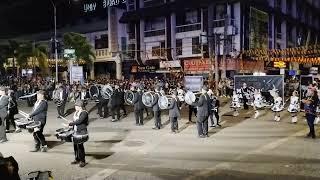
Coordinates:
238 175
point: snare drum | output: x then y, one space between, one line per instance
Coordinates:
79 139
34 126
64 134
22 123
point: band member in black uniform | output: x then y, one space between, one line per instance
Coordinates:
121 100
4 101
61 101
80 123
103 109
12 110
214 109
138 106
84 96
156 109
39 113
310 106
174 112
203 113
114 104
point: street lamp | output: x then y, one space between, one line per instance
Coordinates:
55 38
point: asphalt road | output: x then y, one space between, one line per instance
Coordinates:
244 148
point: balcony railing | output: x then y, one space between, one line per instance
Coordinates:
103 53
152 3
188 27
151 33
221 22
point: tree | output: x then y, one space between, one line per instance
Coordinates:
83 49
35 52
9 50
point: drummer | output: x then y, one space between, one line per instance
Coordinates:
80 123
39 114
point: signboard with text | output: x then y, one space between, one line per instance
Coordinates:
92 6
143 69
197 65
193 83
77 74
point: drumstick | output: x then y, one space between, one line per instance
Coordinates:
65 119
23 113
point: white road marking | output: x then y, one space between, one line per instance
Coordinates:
103 174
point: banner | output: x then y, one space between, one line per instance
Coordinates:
193 83
197 65
77 74
264 83
258 29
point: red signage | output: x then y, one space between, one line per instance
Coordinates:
197 65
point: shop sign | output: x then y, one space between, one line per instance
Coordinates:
170 64
197 65
143 69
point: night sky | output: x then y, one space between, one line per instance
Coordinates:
20 17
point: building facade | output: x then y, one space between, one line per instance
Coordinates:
194 31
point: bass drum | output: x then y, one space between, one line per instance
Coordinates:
94 91
129 97
148 98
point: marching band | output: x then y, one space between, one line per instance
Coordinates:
111 98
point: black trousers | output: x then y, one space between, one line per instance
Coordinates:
115 110
10 120
79 152
103 110
39 138
123 108
157 119
139 116
310 120
202 125
216 115
61 109
174 123
194 110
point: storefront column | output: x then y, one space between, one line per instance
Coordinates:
118 67
92 71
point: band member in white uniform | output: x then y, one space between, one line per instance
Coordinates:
317 120
294 106
79 124
235 104
257 103
39 113
277 104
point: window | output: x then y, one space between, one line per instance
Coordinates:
123 43
158 51
196 48
155 51
131 50
221 10
102 42
131 5
179 47
154 24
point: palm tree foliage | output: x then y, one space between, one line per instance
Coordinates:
37 53
83 49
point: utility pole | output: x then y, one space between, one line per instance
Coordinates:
216 63
225 42
55 39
